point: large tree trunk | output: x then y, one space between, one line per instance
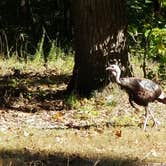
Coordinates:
100 29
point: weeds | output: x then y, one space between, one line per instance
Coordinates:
38 57
73 102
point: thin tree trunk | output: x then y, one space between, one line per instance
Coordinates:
100 39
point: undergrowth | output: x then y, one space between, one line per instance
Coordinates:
61 62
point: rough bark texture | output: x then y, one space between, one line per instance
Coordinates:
100 39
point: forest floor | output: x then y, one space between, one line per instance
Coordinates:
40 125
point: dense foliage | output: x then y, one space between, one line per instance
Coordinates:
28 26
28 21
147 33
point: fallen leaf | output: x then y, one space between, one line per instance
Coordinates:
118 133
58 116
99 130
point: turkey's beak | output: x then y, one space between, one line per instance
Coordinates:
109 68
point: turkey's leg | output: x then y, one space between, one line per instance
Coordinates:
146 117
155 122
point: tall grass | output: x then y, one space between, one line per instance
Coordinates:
57 59
38 57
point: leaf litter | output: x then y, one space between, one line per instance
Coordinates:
36 100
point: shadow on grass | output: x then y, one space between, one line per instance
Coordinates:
30 86
59 159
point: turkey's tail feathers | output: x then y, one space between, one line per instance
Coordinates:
162 98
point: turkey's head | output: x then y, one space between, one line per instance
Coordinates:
115 70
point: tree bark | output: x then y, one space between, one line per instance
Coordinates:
100 30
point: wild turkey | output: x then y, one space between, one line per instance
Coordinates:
140 91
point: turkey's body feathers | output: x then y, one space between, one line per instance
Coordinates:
141 91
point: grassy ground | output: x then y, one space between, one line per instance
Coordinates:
41 126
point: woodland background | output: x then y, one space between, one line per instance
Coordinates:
24 25
40 124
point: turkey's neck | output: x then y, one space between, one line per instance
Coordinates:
118 78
